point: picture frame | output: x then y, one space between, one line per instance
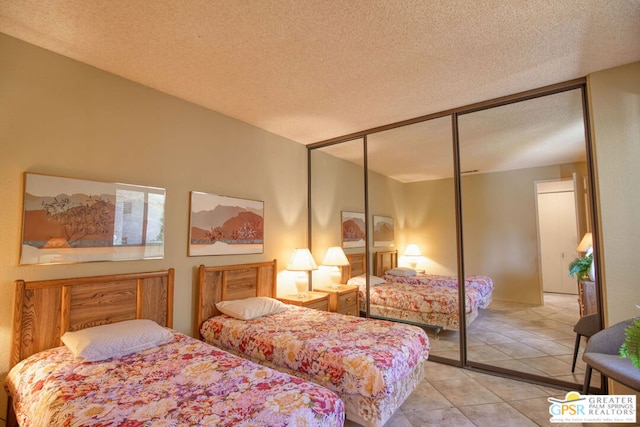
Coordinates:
70 220
353 229
223 225
383 231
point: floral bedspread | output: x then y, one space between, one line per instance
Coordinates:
425 298
183 383
482 285
347 354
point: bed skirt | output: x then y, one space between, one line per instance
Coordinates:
366 411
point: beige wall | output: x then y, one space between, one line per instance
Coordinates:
499 225
60 117
500 228
431 224
615 112
338 185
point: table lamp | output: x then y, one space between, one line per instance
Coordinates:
413 253
335 258
586 244
302 261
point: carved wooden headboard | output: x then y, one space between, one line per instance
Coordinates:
229 282
46 309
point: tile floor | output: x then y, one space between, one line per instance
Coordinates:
534 339
537 340
457 397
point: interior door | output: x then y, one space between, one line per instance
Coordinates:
558 238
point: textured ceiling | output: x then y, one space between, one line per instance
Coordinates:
313 70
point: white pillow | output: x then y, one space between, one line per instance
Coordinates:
251 308
115 339
362 281
401 271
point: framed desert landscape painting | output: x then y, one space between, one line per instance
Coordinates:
67 220
382 231
222 225
353 229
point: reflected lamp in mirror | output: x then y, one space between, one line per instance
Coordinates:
303 262
336 259
586 244
413 253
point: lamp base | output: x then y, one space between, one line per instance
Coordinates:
336 276
302 285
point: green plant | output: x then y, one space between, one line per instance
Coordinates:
579 267
630 348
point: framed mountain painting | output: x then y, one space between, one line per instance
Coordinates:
222 225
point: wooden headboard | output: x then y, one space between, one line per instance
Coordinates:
46 309
383 261
357 266
231 282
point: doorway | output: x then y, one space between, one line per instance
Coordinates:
557 228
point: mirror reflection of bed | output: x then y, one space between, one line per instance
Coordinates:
415 296
504 151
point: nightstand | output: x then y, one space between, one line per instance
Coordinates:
317 300
342 300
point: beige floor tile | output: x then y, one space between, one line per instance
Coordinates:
496 415
425 398
439 371
551 348
450 417
508 389
463 392
518 350
398 420
537 409
487 354
551 366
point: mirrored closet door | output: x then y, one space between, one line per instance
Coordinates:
337 215
523 215
496 195
410 170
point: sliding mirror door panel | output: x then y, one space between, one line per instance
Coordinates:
337 196
521 228
411 190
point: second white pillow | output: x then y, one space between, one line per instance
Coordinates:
251 308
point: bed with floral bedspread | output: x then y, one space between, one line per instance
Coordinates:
183 382
428 305
372 365
481 286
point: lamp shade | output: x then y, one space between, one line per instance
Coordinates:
335 256
412 250
586 243
301 260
